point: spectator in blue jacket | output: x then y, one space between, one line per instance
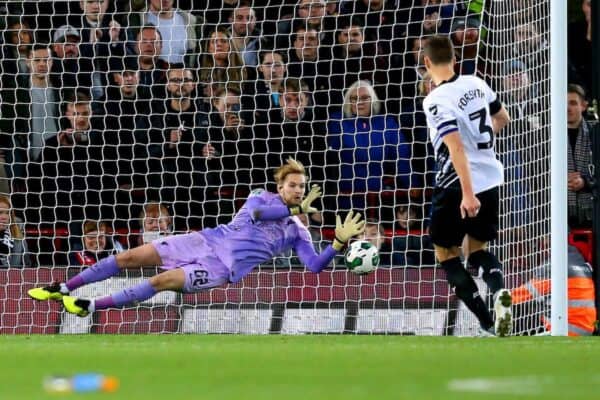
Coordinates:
373 152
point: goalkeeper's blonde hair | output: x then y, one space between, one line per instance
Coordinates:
290 167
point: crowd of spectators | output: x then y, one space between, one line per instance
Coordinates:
112 110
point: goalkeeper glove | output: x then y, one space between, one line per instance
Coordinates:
305 206
351 227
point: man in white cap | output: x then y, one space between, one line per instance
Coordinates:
70 69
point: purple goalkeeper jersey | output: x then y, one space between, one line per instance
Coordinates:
262 229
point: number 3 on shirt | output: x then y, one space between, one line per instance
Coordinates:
481 115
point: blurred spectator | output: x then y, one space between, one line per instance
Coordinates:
125 111
385 22
307 63
95 245
409 218
412 246
220 64
415 63
43 99
293 132
213 12
432 21
29 114
152 68
99 32
17 40
413 250
373 151
426 85
94 23
126 102
13 248
525 111
531 47
432 17
330 21
245 34
4 180
375 234
179 31
172 142
580 160
65 181
468 47
331 8
423 159
155 221
310 14
521 99
412 74
272 72
355 60
580 47
530 44
70 71
227 154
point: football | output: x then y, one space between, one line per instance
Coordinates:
361 257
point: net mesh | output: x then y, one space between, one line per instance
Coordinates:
125 121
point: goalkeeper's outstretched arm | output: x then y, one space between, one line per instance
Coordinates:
352 226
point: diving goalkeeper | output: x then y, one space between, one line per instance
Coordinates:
264 227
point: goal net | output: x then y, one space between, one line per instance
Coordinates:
126 121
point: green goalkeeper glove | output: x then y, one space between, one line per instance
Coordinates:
351 227
305 207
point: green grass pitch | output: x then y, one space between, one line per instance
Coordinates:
191 367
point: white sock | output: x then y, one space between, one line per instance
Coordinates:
498 294
92 306
63 288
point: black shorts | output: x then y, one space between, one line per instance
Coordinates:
448 228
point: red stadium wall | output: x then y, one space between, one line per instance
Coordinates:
412 288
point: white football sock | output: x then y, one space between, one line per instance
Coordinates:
63 288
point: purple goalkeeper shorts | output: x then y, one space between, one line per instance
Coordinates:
203 270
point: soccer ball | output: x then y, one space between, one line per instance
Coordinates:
361 257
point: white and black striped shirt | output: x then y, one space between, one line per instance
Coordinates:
465 104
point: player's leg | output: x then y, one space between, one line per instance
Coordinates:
188 279
479 257
480 230
142 256
173 279
463 284
447 231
